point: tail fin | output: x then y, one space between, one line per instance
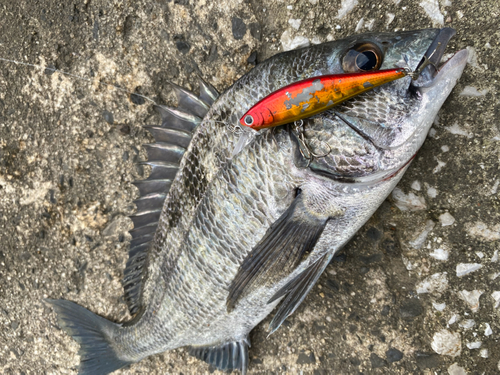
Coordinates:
97 356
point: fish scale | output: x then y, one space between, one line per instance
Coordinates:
241 233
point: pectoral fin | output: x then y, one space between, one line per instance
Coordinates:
296 290
278 253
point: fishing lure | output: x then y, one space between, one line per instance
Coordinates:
314 95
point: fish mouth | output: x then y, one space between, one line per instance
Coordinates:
431 65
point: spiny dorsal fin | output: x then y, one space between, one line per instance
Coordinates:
296 290
172 139
281 249
207 92
190 102
226 357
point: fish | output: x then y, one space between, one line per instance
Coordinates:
220 240
311 96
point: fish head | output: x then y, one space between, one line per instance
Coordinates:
376 134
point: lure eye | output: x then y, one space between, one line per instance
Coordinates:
362 57
248 120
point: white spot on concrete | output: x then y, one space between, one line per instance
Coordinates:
313 2
439 306
481 230
484 353
390 18
295 23
35 195
472 91
408 264
431 7
416 185
472 58
455 369
432 133
316 40
468 323
494 258
466 268
369 24
496 298
474 345
460 14
419 240
452 320
408 202
289 7
440 254
445 148
446 3
494 189
487 330
438 167
432 192
445 342
288 43
360 24
446 219
346 6
434 283
457 130
472 298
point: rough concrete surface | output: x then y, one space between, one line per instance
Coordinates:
416 291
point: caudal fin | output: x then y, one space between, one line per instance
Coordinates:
97 356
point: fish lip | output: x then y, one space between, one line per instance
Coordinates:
434 54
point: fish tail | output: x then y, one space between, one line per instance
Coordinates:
93 333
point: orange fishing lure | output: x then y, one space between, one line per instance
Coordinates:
314 95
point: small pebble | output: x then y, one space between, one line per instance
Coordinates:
446 219
108 117
474 345
393 355
455 369
445 342
416 185
466 268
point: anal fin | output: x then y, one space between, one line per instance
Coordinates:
278 253
226 357
296 290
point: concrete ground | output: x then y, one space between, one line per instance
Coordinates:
417 291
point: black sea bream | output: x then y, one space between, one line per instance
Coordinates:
227 231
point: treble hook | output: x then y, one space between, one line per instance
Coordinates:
304 148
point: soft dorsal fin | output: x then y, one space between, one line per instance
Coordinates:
281 249
171 141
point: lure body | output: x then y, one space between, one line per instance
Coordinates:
311 96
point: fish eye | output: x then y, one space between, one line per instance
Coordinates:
363 57
248 120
